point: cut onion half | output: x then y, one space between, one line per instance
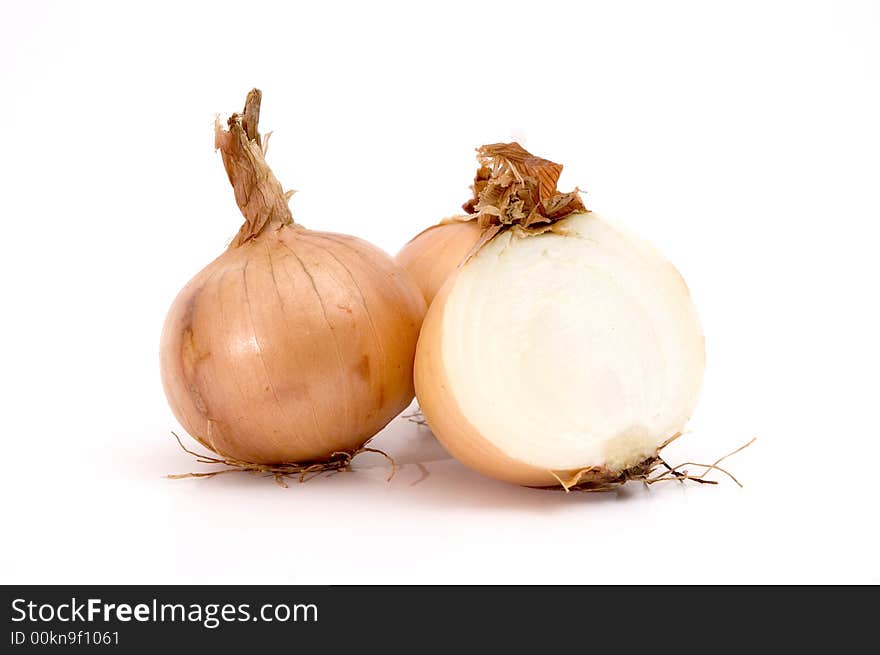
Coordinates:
562 357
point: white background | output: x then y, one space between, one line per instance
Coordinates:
742 138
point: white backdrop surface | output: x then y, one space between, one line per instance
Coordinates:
742 138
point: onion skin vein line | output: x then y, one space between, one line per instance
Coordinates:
339 360
247 301
272 273
226 330
320 432
376 339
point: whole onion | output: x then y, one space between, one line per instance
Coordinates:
293 344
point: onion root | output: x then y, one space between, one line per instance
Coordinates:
598 478
337 462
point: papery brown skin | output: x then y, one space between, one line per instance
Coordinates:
435 253
293 344
514 187
511 186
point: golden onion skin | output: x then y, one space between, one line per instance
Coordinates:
291 346
434 254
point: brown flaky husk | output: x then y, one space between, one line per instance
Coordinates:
513 187
258 193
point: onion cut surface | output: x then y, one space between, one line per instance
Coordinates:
548 355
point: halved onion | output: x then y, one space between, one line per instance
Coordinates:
565 351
